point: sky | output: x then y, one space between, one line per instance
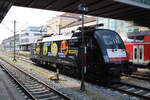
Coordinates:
24 17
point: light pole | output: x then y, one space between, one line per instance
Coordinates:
59 29
14 40
83 9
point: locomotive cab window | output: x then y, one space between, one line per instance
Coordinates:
110 39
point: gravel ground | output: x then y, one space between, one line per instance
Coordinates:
71 87
144 70
138 82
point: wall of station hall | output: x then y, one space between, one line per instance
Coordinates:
120 26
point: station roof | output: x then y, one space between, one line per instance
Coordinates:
134 10
4 7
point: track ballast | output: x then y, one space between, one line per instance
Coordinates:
33 87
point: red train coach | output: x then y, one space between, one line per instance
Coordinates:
138 47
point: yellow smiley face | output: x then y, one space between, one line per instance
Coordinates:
54 49
45 49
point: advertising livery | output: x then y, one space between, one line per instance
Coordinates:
106 57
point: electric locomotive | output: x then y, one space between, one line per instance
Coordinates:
106 58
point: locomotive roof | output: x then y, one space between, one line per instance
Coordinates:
139 33
69 35
58 37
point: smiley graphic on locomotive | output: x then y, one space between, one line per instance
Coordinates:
45 49
54 49
38 48
64 47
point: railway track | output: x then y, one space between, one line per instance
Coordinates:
25 60
140 76
129 89
32 87
133 90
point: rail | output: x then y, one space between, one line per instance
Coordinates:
33 87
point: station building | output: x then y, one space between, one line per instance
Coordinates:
8 44
70 21
120 26
29 35
24 39
65 23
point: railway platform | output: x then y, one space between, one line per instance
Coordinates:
7 88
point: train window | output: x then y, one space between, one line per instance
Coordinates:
112 41
109 39
140 53
129 40
139 39
135 53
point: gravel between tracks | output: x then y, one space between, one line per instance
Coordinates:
71 87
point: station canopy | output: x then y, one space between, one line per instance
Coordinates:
137 11
4 7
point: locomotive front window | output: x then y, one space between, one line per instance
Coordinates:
108 40
112 41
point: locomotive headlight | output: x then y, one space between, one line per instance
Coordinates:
106 58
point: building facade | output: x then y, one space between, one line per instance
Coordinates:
120 26
8 44
29 35
24 39
68 22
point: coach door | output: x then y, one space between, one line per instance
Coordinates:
138 54
141 54
135 54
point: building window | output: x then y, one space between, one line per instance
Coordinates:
24 40
37 34
25 34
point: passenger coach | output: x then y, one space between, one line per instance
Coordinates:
138 48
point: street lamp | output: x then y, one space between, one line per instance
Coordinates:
83 9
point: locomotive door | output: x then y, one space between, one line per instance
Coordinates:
138 54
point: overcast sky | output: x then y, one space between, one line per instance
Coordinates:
24 17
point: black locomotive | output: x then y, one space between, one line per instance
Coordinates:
106 57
